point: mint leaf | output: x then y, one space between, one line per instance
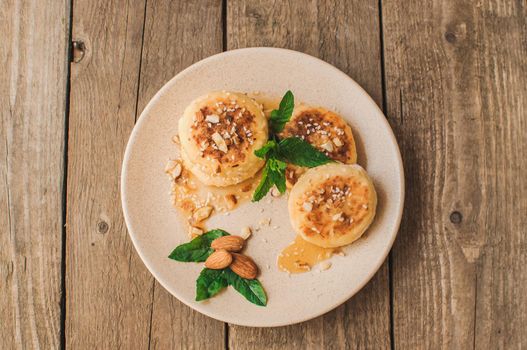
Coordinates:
299 152
261 152
280 116
209 283
276 165
277 173
264 186
197 250
252 290
273 174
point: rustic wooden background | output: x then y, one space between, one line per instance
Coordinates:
451 76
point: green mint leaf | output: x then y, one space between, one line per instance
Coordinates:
261 152
264 186
281 116
276 164
277 173
252 290
197 250
209 283
299 152
287 104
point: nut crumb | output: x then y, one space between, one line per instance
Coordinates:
325 265
213 118
231 201
201 214
246 232
328 146
173 169
275 192
265 222
220 142
195 231
337 217
337 142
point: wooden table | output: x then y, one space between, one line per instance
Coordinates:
450 75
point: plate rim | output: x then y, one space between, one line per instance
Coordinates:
140 120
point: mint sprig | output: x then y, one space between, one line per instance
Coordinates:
211 282
278 153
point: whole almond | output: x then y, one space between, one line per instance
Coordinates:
229 243
243 266
218 260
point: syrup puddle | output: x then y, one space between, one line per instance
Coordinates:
189 193
300 256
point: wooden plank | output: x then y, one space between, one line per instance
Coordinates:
456 95
346 34
173 30
34 60
108 289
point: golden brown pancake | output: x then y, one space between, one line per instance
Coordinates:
333 204
326 131
219 133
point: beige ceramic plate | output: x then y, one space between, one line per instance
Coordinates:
156 229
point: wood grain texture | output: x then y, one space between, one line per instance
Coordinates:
457 98
177 34
108 289
345 34
33 78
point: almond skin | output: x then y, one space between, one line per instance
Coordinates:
229 243
243 266
218 260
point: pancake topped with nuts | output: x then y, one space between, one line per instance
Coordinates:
219 133
323 129
332 205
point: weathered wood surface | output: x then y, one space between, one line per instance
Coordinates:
108 290
33 77
456 75
345 34
175 38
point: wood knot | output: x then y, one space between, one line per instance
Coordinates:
456 217
450 37
456 33
78 51
102 227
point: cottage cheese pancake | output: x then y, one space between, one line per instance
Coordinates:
332 205
326 131
219 133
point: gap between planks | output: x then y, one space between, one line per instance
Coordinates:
63 296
